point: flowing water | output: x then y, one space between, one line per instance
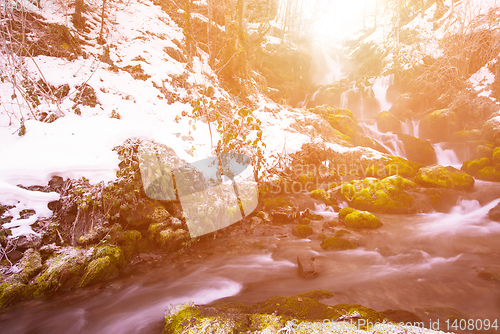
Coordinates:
419 262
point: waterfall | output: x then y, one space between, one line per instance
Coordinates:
379 87
325 70
389 141
446 157
343 100
410 127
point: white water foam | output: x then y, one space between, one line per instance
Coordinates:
446 157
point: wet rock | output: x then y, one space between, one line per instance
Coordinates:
444 177
28 241
362 219
56 182
489 274
308 266
494 213
302 231
418 150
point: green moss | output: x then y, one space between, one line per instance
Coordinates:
302 231
320 194
362 219
179 317
388 195
489 173
11 293
444 177
115 254
344 212
401 166
302 306
30 265
61 270
130 242
98 270
496 156
337 243
472 167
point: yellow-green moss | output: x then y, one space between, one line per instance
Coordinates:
98 270
362 219
63 269
302 231
489 173
472 167
496 156
344 212
30 265
115 254
320 194
278 202
444 177
337 243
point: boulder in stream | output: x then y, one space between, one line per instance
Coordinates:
444 177
494 214
418 150
308 266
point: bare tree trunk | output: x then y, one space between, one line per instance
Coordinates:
78 20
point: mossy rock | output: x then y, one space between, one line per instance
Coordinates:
387 196
168 238
418 150
302 306
11 293
393 166
444 177
302 231
30 264
62 270
321 195
362 219
129 243
345 124
387 122
466 136
337 244
344 212
115 254
489 173
472 167
99 270
496 156
439 125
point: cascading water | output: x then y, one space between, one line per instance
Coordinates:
446 157
388 140
379 87
343 100
410 127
